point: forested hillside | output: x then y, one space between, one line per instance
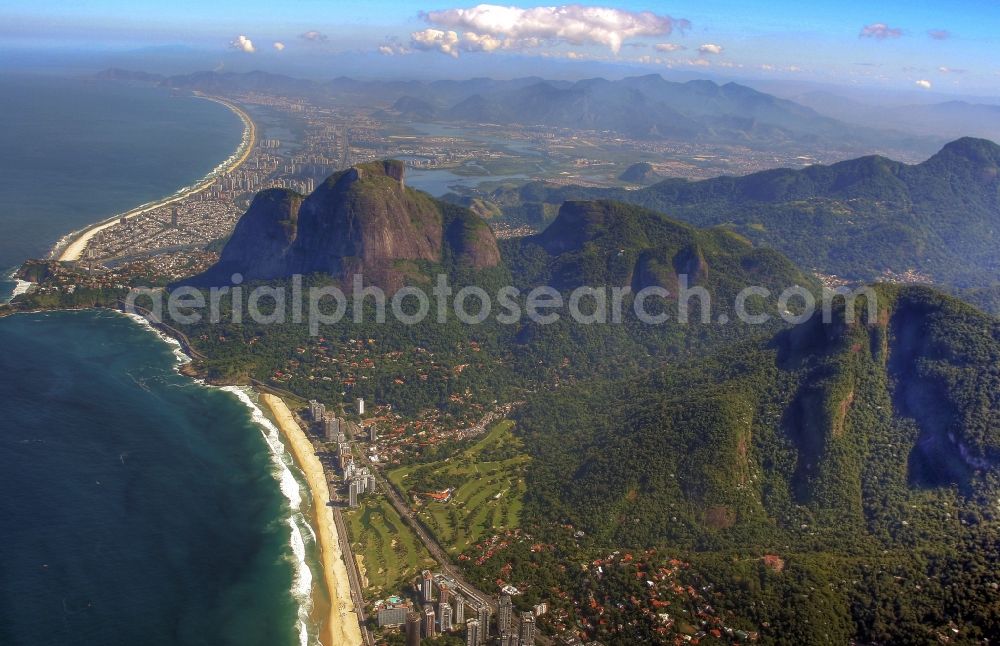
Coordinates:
858 219
865 456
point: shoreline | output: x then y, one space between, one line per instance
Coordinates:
342 627
71 247
302 585
302 588
303 591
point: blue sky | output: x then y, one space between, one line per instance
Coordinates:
942 47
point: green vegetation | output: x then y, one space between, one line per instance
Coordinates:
864 455
390 553
830 482
855 219
488 482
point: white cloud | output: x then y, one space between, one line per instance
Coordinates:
473 42
880 31
243 44
939 34
314 36
710 48
489 27
445 42
924 84
392 47
278 45
669 47
950 70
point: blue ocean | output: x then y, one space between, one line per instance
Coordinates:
139 506
78 151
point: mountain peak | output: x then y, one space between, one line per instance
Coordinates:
362 220
981 151
391 168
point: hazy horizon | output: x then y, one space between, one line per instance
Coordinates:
938 50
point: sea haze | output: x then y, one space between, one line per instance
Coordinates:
77 151
139 507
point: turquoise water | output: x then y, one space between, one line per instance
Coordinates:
139 506
75 152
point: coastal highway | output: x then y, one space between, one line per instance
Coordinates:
357 591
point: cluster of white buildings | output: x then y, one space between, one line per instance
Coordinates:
359 479
446 609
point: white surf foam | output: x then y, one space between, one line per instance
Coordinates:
302 575
175 345
22 287
282 462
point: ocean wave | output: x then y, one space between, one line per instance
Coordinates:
9 276
21 287
302 575
175 345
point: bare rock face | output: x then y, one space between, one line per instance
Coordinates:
263 238
361 220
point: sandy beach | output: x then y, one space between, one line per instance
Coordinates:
342 627
72 247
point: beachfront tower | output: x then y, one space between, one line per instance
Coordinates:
429 630
316 410
459 609
331 427
505 614
427 586
484 623
412 629
372 433
445 609
527 629
352 493
361 406
473 637
444 593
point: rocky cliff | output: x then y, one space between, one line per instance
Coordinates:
361 220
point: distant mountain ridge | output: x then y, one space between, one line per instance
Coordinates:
857 219
949 119
645 107
650 107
